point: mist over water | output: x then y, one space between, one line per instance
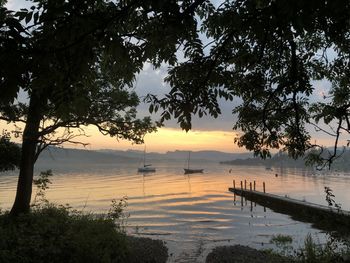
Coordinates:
191 213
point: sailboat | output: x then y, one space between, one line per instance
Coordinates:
146 168
188 170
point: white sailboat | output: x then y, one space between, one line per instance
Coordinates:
189 170
146 168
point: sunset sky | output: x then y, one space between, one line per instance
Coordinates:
168 139
207 133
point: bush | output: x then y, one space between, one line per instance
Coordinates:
57 234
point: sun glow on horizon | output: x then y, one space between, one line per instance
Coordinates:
168 139
165 139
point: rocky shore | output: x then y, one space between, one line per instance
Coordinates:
243 254
147 250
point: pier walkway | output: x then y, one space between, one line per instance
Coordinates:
322 217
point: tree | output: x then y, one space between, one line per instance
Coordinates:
76 61
269 53
10 153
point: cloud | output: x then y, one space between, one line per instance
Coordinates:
16 5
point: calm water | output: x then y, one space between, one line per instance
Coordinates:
192 213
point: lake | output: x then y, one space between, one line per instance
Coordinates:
191 213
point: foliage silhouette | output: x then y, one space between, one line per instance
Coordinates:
76 61
270 54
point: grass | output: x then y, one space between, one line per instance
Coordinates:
283 244
281 239
334 250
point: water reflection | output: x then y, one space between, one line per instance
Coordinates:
193 211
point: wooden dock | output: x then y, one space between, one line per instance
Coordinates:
322 217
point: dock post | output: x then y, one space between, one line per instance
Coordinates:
264 187
254 185
234 184
245 184
241 185
250 186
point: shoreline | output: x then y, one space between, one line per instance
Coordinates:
242 254
156 251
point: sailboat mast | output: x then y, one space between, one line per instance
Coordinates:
188 161
144 157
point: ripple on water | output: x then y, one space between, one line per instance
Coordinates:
191 213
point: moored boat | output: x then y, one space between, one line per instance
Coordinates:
189 170
146 168
193 171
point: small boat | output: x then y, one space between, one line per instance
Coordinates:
189 170
193 171
146 168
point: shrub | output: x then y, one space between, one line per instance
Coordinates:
57 234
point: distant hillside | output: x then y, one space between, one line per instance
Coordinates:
77 155
77 158
342 163
276 160
54 155
215 156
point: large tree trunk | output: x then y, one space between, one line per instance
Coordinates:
29 143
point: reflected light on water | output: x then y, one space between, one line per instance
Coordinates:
193 212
